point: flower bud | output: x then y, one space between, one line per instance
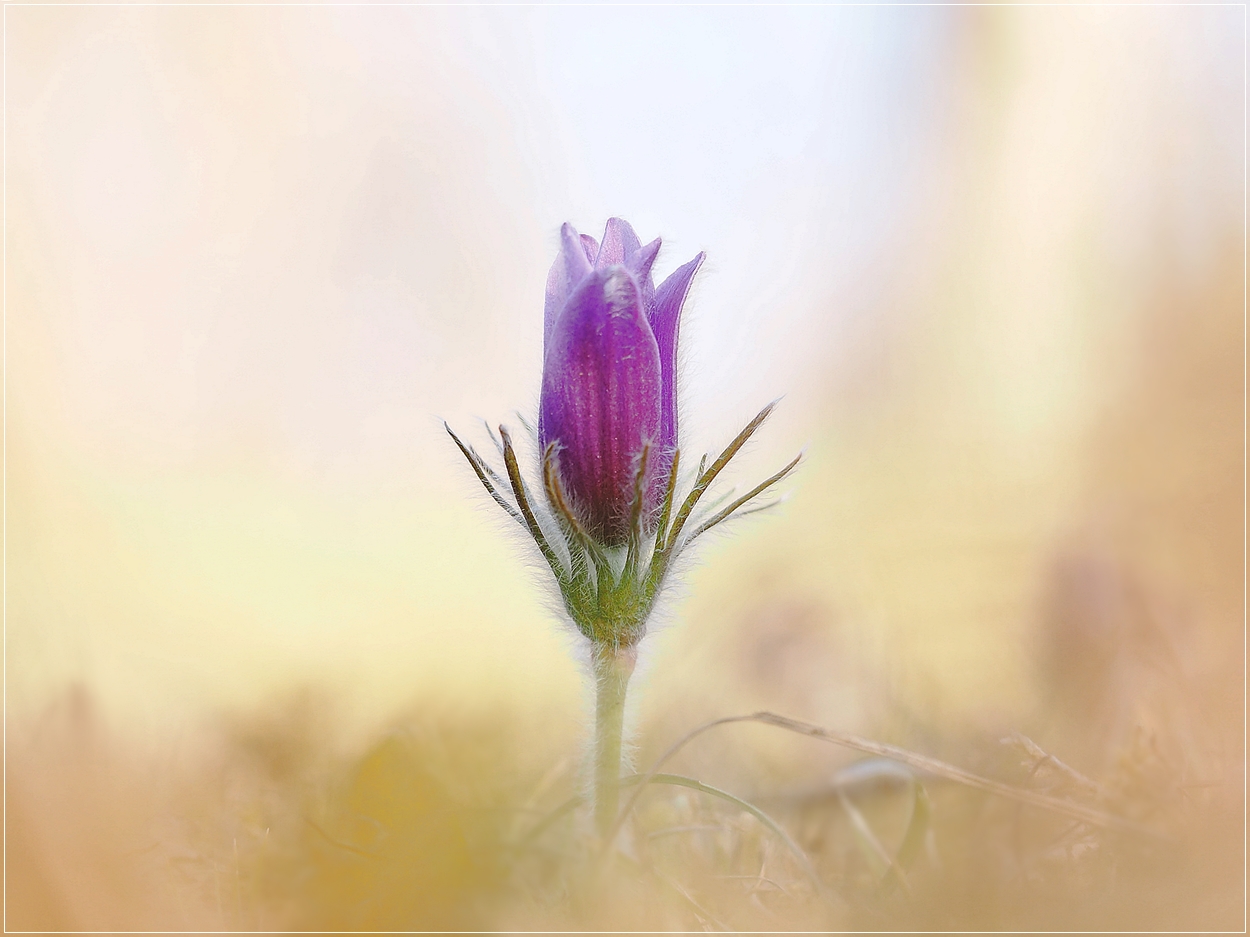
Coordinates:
609 377
608 433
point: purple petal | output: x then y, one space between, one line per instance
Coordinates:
591 247
619 243
573 248
571 266
601 399
639 264
665 318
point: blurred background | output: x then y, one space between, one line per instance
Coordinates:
993 258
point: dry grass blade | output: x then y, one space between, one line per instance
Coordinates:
655 769
870 844
677 780
914 836
1042 757
699 910
953 773
920 762
772 825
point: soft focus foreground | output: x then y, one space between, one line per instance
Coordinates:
272 663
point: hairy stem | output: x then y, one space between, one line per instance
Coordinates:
613 667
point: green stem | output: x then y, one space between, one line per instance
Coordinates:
613 667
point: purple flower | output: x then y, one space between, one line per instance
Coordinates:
607 426
609 392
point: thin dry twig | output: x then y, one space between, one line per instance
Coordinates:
1043 757
919 762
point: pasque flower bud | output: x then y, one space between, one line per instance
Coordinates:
609 387
607 437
